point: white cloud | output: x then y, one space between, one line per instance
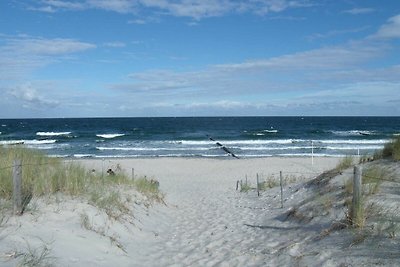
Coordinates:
334 33
62 4
390 30
196 9
23 53
359 11
31 98
120 6
322 69
41 46
115 44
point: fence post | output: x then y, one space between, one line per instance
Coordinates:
281 183
258 187
133 174
237 185
356 211
17 184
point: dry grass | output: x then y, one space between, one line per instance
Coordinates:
88 225
39 256
345 163
42 175
390 151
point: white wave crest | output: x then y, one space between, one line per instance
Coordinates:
52 133
39 142
239 142
27 142
109 136
353 147
379 141
353 133
12 142
83 155
151 148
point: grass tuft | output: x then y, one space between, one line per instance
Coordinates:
345 163
33 257
391 150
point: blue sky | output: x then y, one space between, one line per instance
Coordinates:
97 58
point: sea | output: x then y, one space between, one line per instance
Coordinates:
205 137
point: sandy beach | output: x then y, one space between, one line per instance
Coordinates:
204 221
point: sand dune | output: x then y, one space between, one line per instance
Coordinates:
205 221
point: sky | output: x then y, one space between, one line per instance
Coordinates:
142 58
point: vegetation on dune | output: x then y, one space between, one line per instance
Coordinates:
43 175
391 150
345 163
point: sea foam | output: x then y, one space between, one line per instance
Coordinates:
52 133
109 136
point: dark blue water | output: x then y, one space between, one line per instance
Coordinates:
189 137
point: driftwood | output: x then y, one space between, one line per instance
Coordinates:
224 148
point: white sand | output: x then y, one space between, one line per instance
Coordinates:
206 222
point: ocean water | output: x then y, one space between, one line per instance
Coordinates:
244 137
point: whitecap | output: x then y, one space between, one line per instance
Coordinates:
151 148
52 133
83 155
239 142
353 133
109 136
270 131
380 141
27 142
39 142
12 142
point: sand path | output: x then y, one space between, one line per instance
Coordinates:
207 222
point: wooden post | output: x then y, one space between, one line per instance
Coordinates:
133 174
356 211
237 185
281 182
241 185
17 184
258 187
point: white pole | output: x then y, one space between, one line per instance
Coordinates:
312 152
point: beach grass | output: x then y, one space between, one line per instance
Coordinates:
345 163
391 150
43 175
36 256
